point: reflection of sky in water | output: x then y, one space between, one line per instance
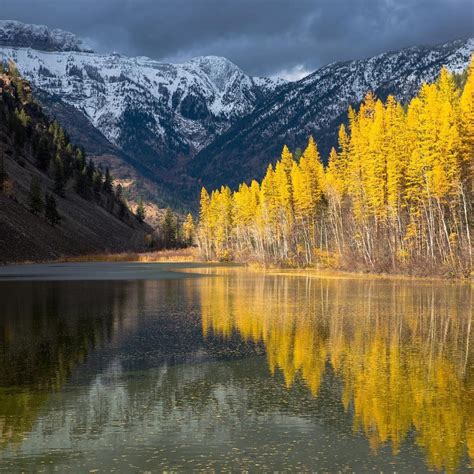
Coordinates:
236 371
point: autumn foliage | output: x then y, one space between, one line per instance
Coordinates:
396 195
398 351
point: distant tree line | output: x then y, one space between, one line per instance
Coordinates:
173 232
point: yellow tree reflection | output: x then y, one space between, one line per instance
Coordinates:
401 350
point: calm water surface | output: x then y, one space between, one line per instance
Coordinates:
144 368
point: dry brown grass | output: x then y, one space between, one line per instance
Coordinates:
178 255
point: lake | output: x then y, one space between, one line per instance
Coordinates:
152 367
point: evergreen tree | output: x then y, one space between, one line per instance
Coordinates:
119 193
43 154
119 197
35 197
23 117
140 212
3 173
90 172
59 178
108 182
60 138
169 230
18 131
98 183
16 79
80 159
13 69
51 211
81 183
6 185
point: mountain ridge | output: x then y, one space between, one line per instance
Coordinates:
198 98
316 105
206 122
154 114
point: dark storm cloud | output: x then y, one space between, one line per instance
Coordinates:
263 37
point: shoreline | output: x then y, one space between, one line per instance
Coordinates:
159 256
190 255
359 275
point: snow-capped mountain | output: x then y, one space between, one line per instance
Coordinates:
151 110
204 121
316 105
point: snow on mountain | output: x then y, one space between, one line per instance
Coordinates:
205 121
15 33
175 109
316 105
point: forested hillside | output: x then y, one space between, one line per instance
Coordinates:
53 201
396 195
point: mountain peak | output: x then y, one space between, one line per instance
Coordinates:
217 68
40 37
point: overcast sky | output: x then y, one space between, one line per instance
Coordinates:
264 37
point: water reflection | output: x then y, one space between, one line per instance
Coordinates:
40 347
236 371
402 351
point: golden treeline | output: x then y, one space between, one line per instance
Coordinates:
396 195
401 351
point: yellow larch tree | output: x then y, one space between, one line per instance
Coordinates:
396 195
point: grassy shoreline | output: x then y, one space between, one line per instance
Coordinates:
173 256
191 255
180 255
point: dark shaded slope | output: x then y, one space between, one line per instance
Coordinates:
123 167
97 223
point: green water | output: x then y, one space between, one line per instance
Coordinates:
145 368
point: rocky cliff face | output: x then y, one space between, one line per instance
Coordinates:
14 33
